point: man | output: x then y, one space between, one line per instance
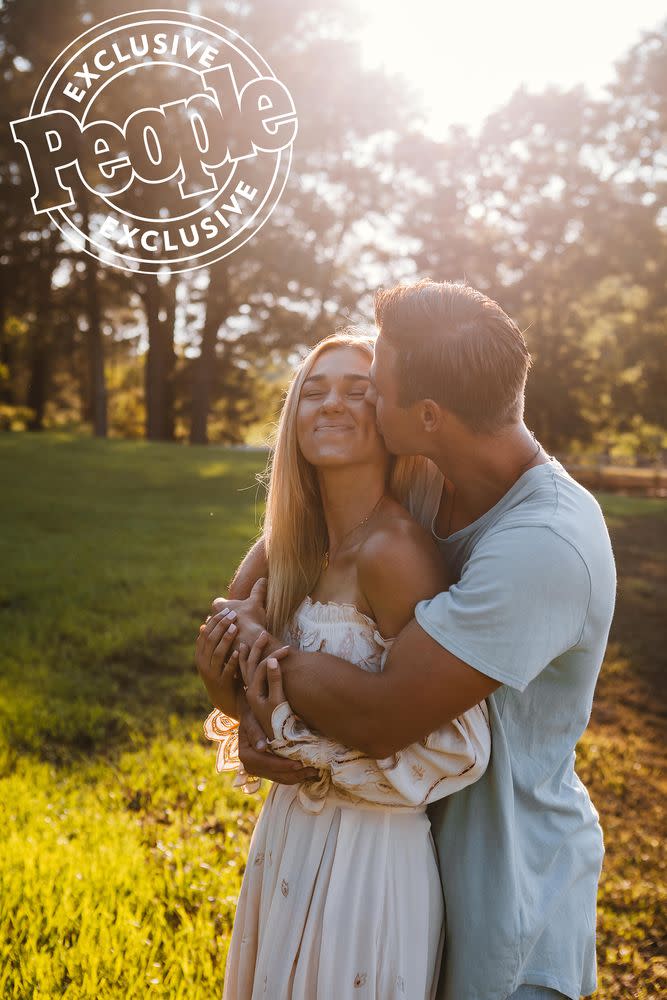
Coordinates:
525 626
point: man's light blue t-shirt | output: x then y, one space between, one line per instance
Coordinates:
521 850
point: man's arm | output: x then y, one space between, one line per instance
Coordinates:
521 603
253 566
422 687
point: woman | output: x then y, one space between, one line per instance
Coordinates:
341 895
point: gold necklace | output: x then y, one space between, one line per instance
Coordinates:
329 558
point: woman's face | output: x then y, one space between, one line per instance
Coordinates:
335 424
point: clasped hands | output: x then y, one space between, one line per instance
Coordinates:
238 661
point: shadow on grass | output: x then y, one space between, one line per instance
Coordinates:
635 672
111 555
65 718
622 759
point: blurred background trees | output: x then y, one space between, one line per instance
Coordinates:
555 206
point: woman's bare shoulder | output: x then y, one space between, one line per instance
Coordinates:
398 549
394 529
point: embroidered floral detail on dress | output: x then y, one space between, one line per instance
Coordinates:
296 634
284 887
347 645
400 982
360 980
224 731
417 771
259 860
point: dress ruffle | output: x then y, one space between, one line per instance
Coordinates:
316 626
224 731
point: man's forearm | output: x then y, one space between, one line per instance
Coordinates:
335 698
422 687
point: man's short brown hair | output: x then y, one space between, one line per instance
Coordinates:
456 346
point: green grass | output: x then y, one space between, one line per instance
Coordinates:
111 553
122 849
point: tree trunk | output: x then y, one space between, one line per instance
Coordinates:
38 384
41 335
96 397
218 308
6 352
160 359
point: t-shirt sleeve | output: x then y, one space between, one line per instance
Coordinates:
522 601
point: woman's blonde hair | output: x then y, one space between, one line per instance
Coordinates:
295 531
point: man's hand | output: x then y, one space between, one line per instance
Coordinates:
265 764
250 614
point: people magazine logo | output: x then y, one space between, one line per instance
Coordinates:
158 139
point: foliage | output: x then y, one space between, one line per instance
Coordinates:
14 418
556 208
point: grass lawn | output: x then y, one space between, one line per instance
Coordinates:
122 848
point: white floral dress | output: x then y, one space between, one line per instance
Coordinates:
341 897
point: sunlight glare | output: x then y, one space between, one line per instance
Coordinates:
466 60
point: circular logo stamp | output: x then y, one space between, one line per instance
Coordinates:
158 139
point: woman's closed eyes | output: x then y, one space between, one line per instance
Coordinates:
317 394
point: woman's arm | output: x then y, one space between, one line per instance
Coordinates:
227 696
236 741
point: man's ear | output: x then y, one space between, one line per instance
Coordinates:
431 415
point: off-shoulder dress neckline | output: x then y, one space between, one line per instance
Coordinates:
344 605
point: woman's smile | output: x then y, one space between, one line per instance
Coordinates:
335 423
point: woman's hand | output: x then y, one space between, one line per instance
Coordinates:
269 765
262 679
217 668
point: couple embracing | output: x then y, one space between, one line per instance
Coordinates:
411 651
